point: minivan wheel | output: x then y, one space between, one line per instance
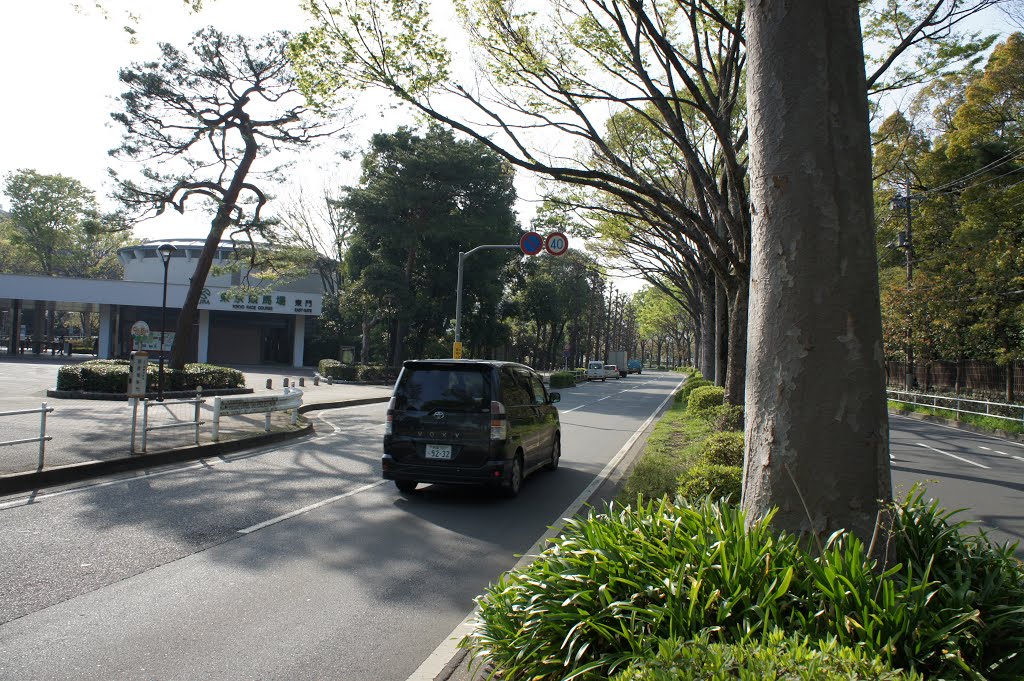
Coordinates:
556 454
515 478
406 486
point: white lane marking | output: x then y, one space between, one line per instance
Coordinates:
999 452
985 448
1019 458
566 411
311 507
954 456
436 661
602 398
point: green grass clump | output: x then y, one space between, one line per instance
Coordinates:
777 658
696 381
672 448
614 583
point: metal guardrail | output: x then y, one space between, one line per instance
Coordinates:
43 437
197 401
290 399
957 405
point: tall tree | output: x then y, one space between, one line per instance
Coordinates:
421 200
215 111
56 228
817 428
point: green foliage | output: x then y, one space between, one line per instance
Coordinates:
729 417
614 581
713 480
56 228
704 400
986 422
111 376
371 373
672 448
421 199
777 658
563 379
696 381
332 368
724 449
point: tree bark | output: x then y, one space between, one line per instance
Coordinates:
738 293
721 334
817 426
707 352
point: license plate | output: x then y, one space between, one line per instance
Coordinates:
438 452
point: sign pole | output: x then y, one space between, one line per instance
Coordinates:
457 349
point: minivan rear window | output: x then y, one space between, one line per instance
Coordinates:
427 389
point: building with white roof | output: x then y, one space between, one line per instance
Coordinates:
265 325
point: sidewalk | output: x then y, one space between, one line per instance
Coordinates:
93 437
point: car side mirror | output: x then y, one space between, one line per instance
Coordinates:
554 397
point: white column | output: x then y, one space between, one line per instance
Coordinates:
204 336
298 340
105 331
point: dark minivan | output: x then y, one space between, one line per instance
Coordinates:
467 421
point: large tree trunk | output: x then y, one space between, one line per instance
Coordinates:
721 334
183 336
707 322
817 427
738 292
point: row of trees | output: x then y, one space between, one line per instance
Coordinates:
952 255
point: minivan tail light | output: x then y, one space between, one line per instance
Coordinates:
389 424
499 422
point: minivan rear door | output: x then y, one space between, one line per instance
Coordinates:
442 414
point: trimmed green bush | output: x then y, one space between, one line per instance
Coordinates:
111 376
723 449
332 368
714 480
683 394
372 373
779 658
563 379
728 417
704 401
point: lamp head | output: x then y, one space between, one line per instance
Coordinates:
165 251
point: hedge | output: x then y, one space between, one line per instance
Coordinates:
712 480
111 376
563 379
705 400
368 373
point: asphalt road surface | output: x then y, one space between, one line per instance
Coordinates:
292 562
982 473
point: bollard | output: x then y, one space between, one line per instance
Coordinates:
285 382
316 379
302 381
270 384
330 380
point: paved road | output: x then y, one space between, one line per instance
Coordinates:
961 469
295 562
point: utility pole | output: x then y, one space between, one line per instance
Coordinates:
906 242
457 349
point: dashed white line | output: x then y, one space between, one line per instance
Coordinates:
954 456
311 507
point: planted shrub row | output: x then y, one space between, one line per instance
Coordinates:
614 583
368 373
111 376
563 379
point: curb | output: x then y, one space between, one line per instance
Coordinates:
61 475
121 397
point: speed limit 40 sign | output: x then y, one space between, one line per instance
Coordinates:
556 243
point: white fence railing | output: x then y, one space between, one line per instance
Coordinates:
194 424
291 399
960 405
43 437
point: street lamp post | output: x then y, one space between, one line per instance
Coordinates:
165 251
458 290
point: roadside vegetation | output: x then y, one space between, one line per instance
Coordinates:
673 582
986 422
111 376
